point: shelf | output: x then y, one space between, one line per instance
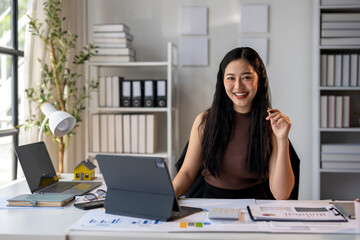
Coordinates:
339 88
343 7
131 64
322 170
339 47
328 71
339 129
129 109
166 123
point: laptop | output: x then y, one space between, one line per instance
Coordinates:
140 187
40 172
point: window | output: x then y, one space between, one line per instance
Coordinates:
13 21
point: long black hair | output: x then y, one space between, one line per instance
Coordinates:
218 120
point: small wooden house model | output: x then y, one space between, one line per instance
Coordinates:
85 170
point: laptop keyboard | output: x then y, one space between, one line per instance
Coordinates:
59 187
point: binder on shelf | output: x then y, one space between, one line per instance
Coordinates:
127 133
161 96
338 70
323 111
149 93
102 92
346 112
103 133
95 132
323 71
134 133
339 111
142 133
353 69
116 83
119 133
150 133
331 70
331 111
125 93
111 133
137 93
346 70
108 91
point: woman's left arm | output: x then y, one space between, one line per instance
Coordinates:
281 176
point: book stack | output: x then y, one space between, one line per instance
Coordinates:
114 43
340 70
340 28
115 91
335 111
123 133
340 156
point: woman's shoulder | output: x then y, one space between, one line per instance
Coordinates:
199 119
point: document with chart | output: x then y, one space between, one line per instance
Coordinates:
303 213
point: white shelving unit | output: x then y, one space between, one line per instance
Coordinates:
167 137
341 184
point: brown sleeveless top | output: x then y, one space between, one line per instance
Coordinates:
233 172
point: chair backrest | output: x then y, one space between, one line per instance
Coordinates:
197 188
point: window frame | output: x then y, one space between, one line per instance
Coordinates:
14 53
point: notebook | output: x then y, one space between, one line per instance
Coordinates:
40 172
41 200
141 187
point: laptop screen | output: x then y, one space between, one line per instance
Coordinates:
36 165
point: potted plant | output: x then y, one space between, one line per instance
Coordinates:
60 79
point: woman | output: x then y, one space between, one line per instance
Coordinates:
240 140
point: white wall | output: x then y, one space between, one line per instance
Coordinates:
153 23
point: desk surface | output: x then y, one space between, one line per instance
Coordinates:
45 223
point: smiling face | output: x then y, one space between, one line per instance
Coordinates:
241 83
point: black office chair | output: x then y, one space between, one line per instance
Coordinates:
197 188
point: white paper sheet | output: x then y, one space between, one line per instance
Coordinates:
193 20
194 51
259 44
254 18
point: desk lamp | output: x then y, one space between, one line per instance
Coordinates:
60 122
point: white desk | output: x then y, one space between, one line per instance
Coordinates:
22 224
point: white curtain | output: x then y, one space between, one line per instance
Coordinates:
34 49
